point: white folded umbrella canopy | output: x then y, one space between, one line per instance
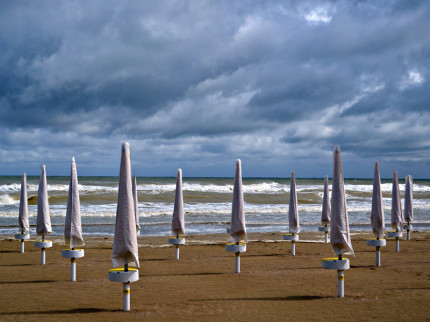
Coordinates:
409 209
73 226
178 222
396 205
340 238
325 215
238 224
293 212
377 213
125 251
43 222
24 225
136 203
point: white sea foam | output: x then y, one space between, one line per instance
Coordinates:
7 200
263 187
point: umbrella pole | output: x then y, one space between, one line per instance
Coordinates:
237 262
293 247
177 249
378 256
408 233
73 269
326 237
22 243
43 251
237 270
397 243
340 281
126 296
126 293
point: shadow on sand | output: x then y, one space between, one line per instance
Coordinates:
184 274
277 298
26 282
71 311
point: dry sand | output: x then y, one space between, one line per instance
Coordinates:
202 285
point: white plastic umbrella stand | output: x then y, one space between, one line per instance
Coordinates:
236 248
293 238
43 244
340 264
325 229
396 234
23 236
126 276
177 241
73 254
378 243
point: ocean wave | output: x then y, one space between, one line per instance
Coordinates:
8 200
250 188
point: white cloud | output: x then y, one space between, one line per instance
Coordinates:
412 79
318 15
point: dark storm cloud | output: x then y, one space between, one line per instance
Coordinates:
200 83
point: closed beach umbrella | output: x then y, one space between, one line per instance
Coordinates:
339 227
396 212
178 224
325 216
238 235
293 216
136 204
396 205
72 226
43 223
124 249
24 225
293 212
340 238
377 214
238 225
409 210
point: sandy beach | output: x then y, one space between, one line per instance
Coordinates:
202 285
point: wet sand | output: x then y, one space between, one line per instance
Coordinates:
202 285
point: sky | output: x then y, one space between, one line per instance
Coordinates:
198 84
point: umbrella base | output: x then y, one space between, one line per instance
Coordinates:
376 242
290 237
43 244
121 276
177 241
323 228
396 234
335 263
235 248
73 253
22 236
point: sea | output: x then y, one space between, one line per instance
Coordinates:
207 204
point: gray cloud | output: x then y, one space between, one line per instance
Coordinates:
199 84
